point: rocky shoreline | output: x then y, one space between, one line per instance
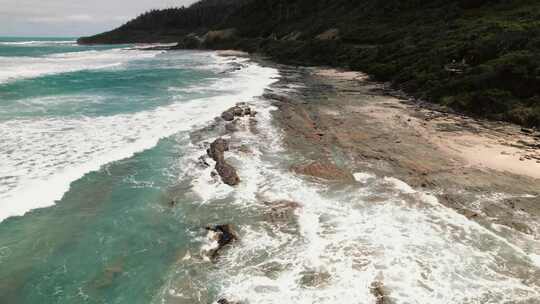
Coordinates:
350 129
488 171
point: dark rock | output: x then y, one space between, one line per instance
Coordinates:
228 173
238 111
227 115
225 236
202 162
217 149
470 214
235 67
527 131
225 301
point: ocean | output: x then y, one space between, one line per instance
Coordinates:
104 199
99 135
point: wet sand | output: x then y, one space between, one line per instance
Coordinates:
487 171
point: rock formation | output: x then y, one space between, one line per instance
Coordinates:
217 150
240 110
226 171
225 235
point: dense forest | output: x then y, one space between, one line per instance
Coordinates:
477 56
167 25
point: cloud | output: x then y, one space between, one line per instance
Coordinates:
64 19
72 17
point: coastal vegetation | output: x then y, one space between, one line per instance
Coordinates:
481 57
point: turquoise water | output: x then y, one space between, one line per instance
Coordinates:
92 142
107 241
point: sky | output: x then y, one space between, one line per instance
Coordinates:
72 18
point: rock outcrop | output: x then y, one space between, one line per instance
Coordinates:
240 110
226 171
225 235
217 150
227 115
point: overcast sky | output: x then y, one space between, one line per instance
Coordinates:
72 18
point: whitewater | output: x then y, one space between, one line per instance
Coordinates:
41 156
343 242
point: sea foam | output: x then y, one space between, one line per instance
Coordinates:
16 68
34 43
41 157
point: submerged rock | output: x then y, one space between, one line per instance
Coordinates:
315 279
281 210
326 171
109 274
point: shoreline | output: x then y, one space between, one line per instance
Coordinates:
341 132
487 171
